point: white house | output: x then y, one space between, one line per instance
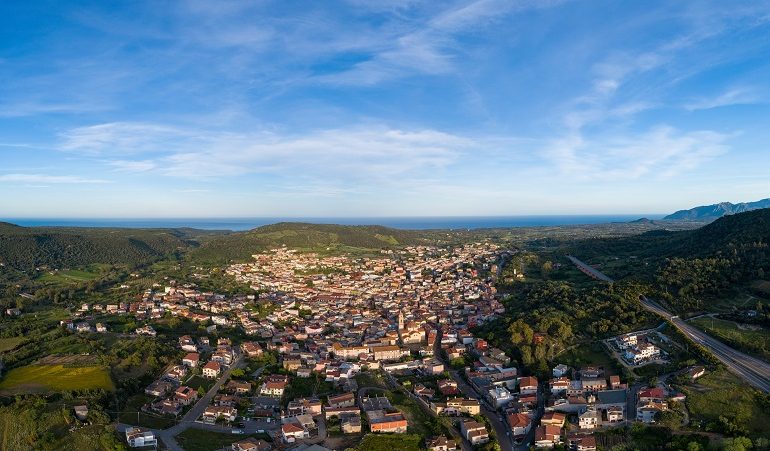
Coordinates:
137 437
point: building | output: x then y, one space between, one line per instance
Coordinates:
290 432
387 421
475 432
589 419
138 437
212 369
251 444
442 444
192 359
546 436
186 395
343 400
519 423
350 424
528 385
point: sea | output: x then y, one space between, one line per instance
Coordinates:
406 223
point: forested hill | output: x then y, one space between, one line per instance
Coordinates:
717 238
242 245
26 248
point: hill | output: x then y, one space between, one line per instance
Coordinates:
242 245
711 212
25 248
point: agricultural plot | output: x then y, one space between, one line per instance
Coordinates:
41 378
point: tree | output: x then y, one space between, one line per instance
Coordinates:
201 391
521 333
737 444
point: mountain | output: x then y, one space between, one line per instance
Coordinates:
242 245
25 248
710 212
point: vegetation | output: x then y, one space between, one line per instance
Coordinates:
721 403
42 378
752 339
390 442
199 440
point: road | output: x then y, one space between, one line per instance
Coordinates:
753 370
498 423
189 419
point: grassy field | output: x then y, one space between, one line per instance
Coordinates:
594 354
45 378
69 276
721 394
7 344
754 341
198 440
390 442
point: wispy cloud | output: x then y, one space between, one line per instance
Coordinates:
45 178
660 152
733 96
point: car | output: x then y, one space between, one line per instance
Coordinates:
241 425
260 431
237 431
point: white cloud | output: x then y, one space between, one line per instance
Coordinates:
734 96
119 137
45 178
660 152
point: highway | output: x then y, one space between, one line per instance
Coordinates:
754 371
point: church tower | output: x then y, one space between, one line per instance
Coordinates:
400 320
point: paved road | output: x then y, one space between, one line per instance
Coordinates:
188 420
753 370
498 423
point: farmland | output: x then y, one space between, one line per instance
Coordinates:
57 377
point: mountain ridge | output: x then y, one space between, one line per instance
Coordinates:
718 210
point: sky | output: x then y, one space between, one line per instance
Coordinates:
366 108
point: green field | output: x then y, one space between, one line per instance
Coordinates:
594 354
68 276
754 341
133 405
390 442
721 395
45 378
6 344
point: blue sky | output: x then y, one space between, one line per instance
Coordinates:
373 108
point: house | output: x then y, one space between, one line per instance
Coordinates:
187 344
238 387
448 387
251 444
589 418
290 432
251 349
528 385
343 400
213 413
582 442
273 388
138 437
350 424
159 388
546 436
642 352
553 418
302 406
186 395
192 359
519 423
212 369
442 444
81 412
559 385
475 432
560 370
425 392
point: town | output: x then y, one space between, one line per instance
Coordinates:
343 346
